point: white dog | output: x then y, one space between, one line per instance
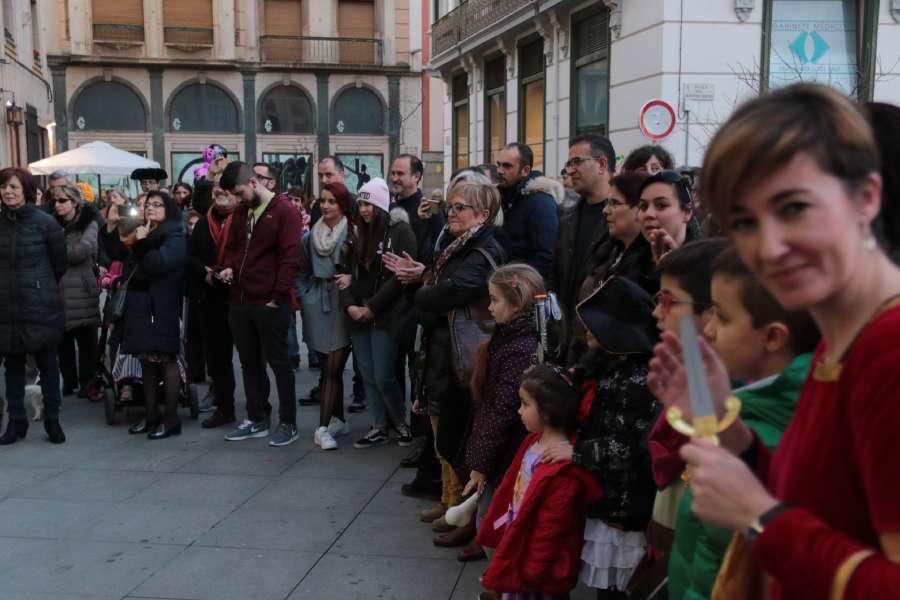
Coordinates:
35 399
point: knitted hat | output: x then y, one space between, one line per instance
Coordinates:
376 193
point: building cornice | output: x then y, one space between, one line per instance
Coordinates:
59 61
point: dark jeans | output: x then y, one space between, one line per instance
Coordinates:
259 333
86 338
194 343
219 353
48 367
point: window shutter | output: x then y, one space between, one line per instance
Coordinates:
194 13
118 12
356 19
283 17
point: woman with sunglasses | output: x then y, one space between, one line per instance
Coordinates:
80 291
32 261
325 326
466 257
666 212
793 178
151 321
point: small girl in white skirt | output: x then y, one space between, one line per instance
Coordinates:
617 409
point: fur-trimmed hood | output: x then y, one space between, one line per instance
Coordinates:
84 214
399 215
544 184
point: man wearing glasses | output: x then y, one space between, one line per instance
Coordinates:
582 228
530 215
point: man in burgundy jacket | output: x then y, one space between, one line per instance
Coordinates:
262 255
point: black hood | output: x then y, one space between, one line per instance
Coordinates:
620 315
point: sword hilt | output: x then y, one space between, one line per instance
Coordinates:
706 427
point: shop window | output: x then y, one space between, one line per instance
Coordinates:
494 107
286 109
531 99
358 110
826 41
108 106
203 107
460 95
590 72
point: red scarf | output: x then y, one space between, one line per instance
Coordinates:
219 232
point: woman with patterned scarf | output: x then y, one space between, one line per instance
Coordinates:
468 254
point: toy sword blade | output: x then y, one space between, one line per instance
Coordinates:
704 423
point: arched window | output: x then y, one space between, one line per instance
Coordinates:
108 106
203 107
358 110
285 109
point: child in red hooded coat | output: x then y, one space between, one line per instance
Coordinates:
536 517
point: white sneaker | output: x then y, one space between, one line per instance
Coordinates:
326 441
337 427
316 436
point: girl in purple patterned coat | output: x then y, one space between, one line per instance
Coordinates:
497 430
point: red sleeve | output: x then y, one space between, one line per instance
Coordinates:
874 421
664 443
804 553
289 231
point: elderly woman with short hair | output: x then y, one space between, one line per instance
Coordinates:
79 287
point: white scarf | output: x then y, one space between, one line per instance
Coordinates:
325 238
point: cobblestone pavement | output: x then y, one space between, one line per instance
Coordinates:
109 516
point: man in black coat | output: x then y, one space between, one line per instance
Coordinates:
33 259
406 177
582 228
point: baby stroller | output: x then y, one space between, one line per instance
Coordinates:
121 382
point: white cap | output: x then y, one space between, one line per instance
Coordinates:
376 193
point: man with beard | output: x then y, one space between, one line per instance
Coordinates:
406 176
261 258
530 215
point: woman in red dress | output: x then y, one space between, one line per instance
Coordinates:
793 177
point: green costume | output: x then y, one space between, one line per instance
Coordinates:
697 552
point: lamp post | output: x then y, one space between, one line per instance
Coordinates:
15 117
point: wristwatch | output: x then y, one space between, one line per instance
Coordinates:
758 525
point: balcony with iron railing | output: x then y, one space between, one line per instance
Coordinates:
118 33
468 19
307 50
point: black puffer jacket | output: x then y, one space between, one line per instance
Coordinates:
32 261
154 298
81 294
377 288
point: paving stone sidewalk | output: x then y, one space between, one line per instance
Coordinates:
109 516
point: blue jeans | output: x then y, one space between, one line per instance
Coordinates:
376 354
48 367
293 342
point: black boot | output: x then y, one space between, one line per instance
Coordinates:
15 429
164 430
54 431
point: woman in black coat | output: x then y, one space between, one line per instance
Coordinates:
152 313
465 260
32 261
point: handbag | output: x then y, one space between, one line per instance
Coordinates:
470 326
118 300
